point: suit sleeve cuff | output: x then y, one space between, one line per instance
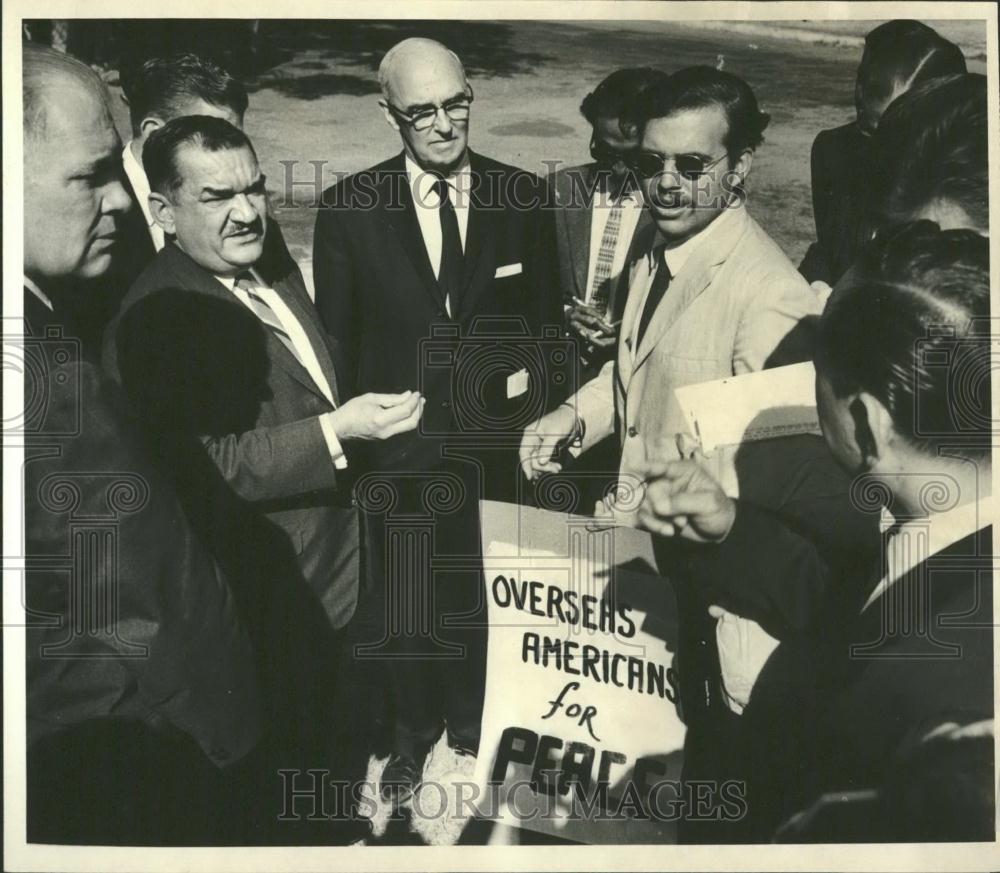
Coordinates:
332 443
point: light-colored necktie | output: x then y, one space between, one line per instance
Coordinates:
262 309
600 289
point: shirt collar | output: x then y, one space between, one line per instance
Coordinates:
942 529
230 281
38 292
422 181
139 181
677 256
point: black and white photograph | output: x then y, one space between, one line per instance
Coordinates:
499 435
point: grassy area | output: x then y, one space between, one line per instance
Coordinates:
314 99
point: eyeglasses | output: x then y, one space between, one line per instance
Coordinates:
607 156
649 164
456 110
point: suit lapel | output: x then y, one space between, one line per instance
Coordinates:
578 222
396 201
694 278
292 291
199 279
483 212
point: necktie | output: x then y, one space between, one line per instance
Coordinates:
658 287
600 288
262 309
450 271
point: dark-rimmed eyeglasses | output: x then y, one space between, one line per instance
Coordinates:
649 164
456 110
607 156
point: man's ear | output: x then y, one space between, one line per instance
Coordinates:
741 166
389 117
873 427
162 211
149 124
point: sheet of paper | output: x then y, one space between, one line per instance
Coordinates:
754 406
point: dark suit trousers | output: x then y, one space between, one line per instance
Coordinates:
425 561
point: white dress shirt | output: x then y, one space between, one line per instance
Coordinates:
140 187
304 349
428 204
600 210
676 257
917 540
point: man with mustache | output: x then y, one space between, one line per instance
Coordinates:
711 295
435 268
213 352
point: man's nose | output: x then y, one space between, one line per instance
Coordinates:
442 123
243 209
115 198
668 178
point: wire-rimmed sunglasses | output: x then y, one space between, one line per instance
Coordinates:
649 164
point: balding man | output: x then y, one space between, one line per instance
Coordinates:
419 263
140 684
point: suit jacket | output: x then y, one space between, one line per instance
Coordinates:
840 166
377 294
729 310
194 359
109 548
833 705
574 189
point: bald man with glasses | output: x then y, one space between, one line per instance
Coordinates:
429 269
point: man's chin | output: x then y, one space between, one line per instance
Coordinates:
244 253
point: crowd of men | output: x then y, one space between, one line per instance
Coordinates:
252 514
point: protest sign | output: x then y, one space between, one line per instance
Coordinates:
581 737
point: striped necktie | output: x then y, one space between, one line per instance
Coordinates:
600 288
246 284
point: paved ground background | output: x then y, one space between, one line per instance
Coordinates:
314 96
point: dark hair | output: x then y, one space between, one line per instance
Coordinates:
618 94
912 329
904 53
164 86
932 145
698 87
159 154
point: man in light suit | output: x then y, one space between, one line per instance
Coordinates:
141 692
710 296
226 360
431 267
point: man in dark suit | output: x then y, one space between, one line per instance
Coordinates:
157 91
222 353
134 649
600 213
898 55
433 269
872 649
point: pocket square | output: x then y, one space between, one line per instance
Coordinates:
508 270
